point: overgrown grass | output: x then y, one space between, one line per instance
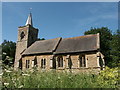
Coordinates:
12 79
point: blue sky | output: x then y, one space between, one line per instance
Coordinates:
62 19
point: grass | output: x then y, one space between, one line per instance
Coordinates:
52 79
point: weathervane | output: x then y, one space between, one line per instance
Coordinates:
30 9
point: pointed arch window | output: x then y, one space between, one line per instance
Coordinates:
27 63
52 62
82 61
60 61
22 35
43 63
34 62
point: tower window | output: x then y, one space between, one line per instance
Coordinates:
22 35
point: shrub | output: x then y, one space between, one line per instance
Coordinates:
109 78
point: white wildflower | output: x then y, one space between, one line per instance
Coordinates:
1 74
115 71
58 77
70 77
8 71
4 53
7 56
25 74
6 84
20 86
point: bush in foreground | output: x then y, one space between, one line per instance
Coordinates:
106 79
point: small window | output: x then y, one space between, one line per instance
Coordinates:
82 62
27 63
60 61
51 63
69 63
22 35
34 62
43 63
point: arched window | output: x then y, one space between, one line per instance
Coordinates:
34 62
60 61
43 63
22 35
82 61
27 63
69 63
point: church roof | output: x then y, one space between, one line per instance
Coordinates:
42 46
66 45
78 44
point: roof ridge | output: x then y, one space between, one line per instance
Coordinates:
81 36
47 39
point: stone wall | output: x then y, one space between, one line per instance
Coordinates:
21 45
26 36
91 60
39 57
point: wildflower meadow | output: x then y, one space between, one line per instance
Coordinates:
52 79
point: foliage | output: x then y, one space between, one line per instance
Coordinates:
109 44
53 79
41 38
0 52
115 49
109 77
8 52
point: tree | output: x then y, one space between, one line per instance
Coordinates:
115 49
8 52
41 38
105 40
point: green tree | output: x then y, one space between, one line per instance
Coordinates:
115 48
41 38
8 52
105 40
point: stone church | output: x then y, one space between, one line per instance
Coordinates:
61 54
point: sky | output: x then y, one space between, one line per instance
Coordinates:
58 19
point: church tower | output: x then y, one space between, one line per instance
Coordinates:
27 35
